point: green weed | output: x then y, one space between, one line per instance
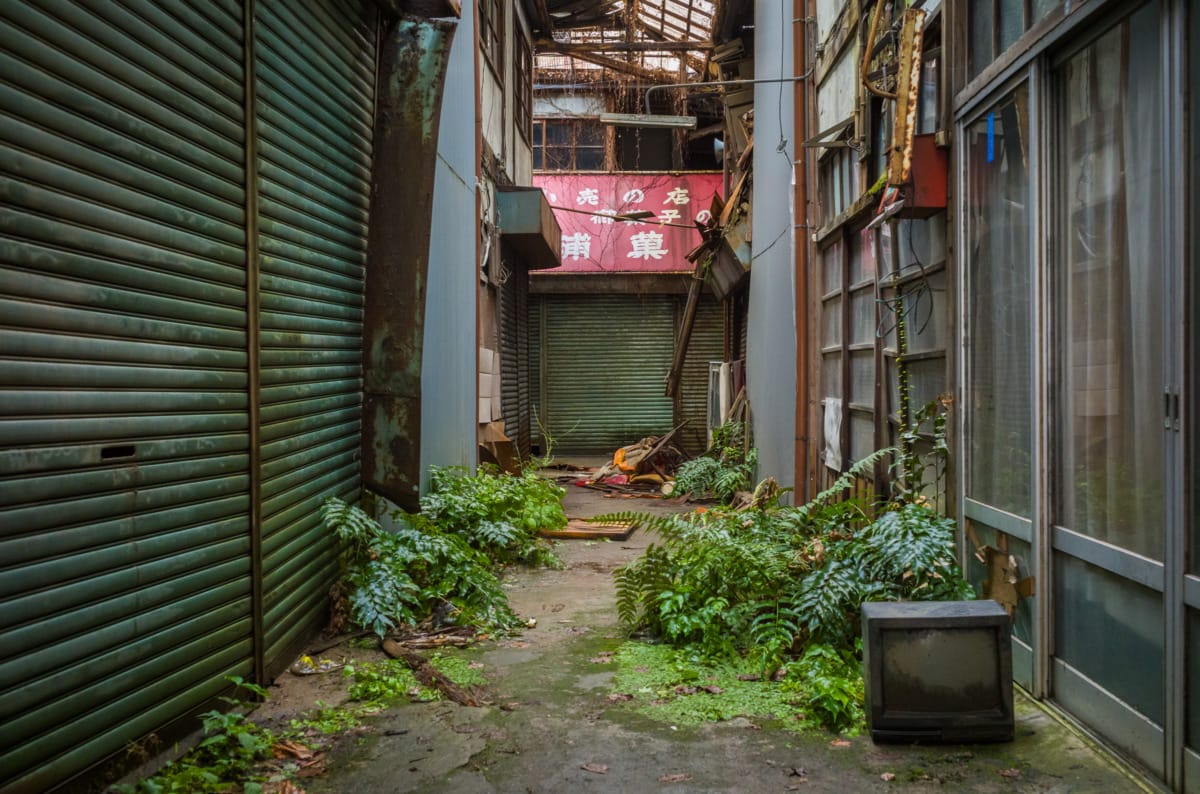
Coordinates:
224 758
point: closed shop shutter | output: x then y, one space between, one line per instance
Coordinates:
125 388
537 411
706 344
605 363
315 104
510 358
125 592
514 354
525 406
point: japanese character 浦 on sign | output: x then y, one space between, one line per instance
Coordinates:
577 246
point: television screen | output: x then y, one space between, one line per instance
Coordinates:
938 671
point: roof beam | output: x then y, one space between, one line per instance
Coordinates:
570 48
621 66
699 64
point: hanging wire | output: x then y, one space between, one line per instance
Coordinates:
921 293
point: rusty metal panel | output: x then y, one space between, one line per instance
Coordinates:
908 87
412 64
314 104
124 446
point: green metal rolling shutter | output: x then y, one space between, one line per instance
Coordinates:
606 359
124 481
315 67
536 410
514 358
706 344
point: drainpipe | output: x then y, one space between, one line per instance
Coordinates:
805 448
474 385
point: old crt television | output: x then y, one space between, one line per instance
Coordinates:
938 671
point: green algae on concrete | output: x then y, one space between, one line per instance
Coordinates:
682 688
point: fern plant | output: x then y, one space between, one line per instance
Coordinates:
497 513
400 577
724 469
774 582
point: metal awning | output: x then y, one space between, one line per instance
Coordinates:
528 225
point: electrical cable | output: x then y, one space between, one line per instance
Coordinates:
897 306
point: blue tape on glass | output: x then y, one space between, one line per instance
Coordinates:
991 137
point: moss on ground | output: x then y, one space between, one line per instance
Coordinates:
683 688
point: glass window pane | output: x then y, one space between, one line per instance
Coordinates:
847 178
862 378
862 436
863 323
589 134
557 158
1110 629
927 381
928 115
862 256
558 132
999 359
881 134
537 158
831 375
589 159
979 52
1109 377
1012 22
922 242
831 268
831 322
925 313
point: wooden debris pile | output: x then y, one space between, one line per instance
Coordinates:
641 469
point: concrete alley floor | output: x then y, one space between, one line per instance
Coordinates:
552 719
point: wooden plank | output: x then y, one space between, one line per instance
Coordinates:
582 529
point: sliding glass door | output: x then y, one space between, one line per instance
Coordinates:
1112 320
999 364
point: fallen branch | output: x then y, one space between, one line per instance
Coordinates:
430 677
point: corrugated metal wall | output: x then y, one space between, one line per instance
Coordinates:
125 403
706 344
315 74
